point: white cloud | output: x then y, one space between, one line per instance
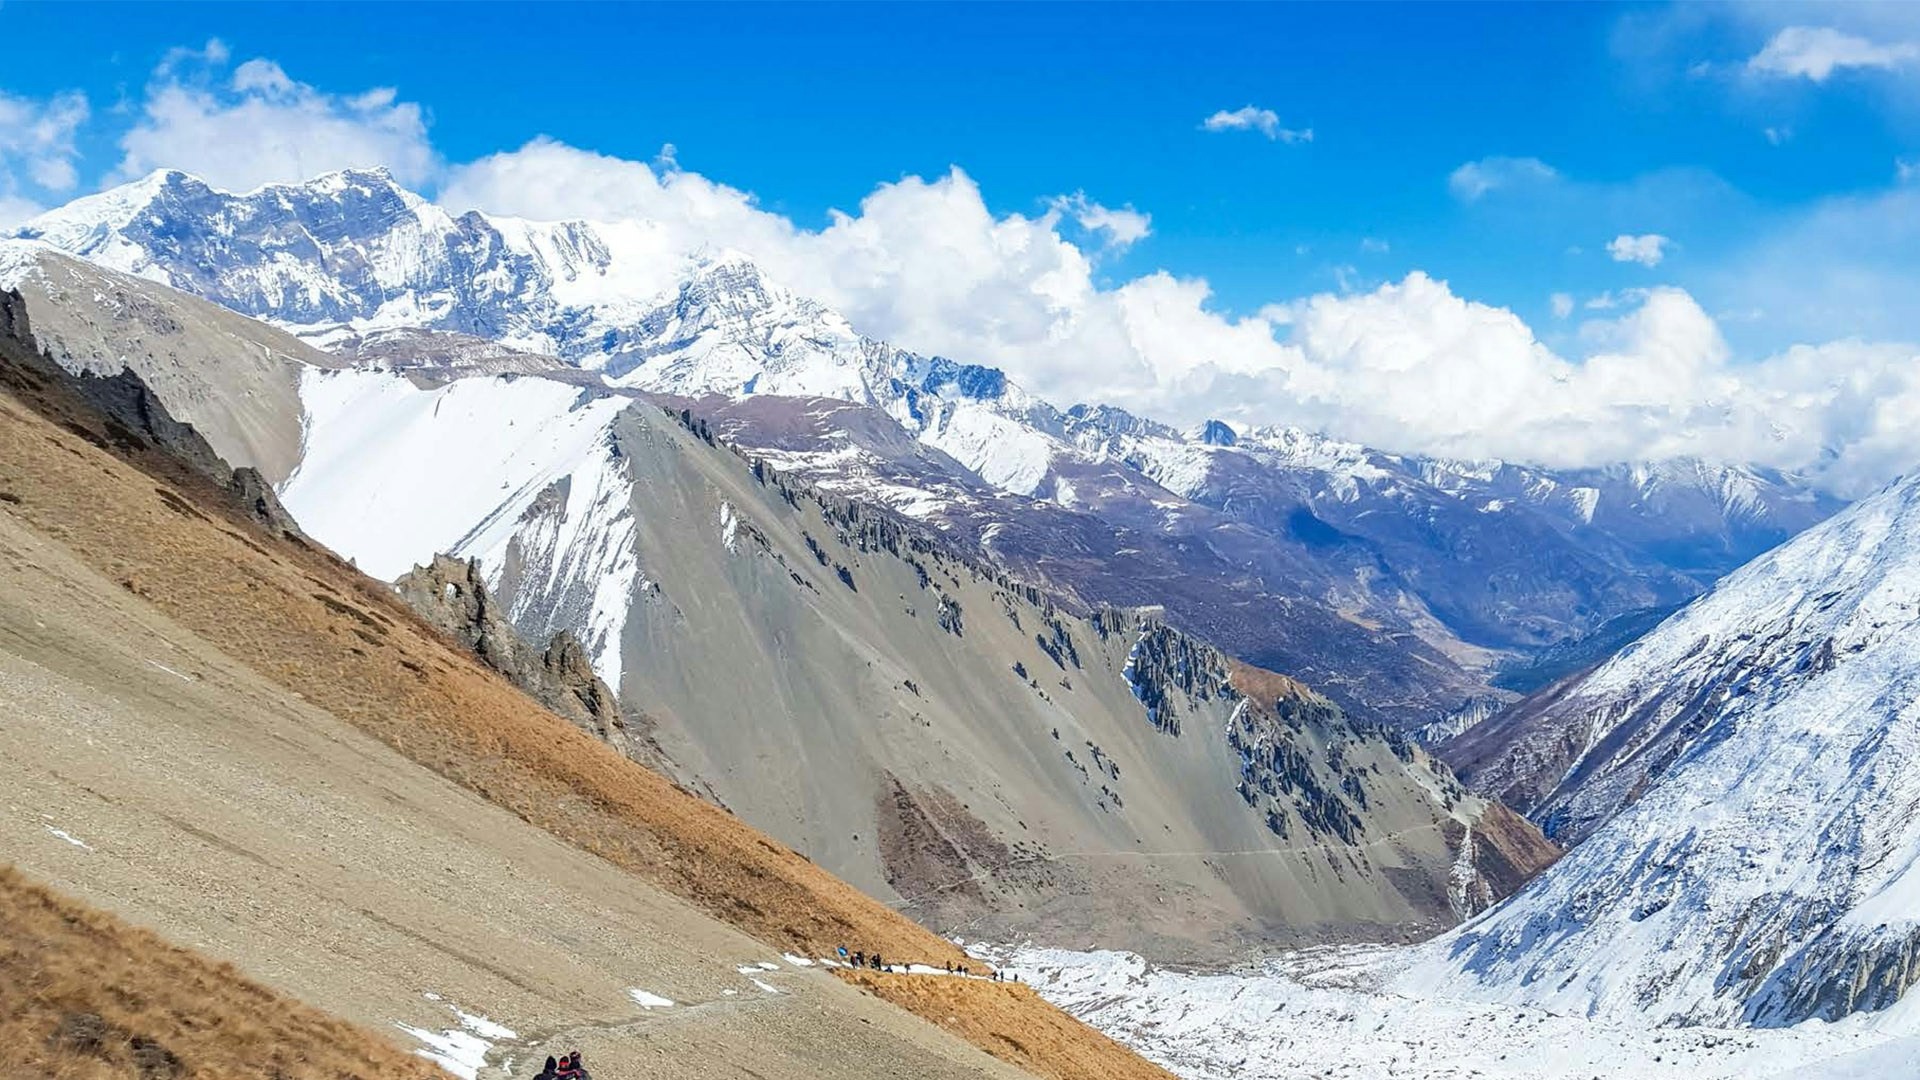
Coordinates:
1778 136
1646 249
1120 229
1411 365
259 126
1477 178
1251 118
1816 52
1373 245
1406 366
926 264
1906 170
37 150
14 210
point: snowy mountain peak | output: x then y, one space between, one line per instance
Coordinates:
1218 433
1753 765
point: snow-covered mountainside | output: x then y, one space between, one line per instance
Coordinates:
1746 777
1433 574
1332 1013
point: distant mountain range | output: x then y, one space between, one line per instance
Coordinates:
1401 586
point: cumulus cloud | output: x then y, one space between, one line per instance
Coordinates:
1646 249
37 150
1407 366
1413 365
1118 229
1816 52
1252 118
257 125
1477 178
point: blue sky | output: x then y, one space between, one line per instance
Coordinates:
809 107
1514 152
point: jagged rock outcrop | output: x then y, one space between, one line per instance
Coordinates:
257 497
451 595
136 418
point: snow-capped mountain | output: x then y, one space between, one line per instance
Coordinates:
1749 775
1293 550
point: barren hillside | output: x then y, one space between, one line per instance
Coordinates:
237 740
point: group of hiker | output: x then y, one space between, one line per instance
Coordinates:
567 1068
874 962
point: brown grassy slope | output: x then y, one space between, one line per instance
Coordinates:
1008 1019
83 996
304 619
1511 850
1266 686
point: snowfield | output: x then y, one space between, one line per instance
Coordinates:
1325 1013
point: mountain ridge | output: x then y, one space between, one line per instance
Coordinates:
1446 571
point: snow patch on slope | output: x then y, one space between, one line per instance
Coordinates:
477 450
462 469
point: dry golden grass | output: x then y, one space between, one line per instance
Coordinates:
1266 686
304 619
84 996
1012 1022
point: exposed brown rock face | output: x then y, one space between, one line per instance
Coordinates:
257 497
450 594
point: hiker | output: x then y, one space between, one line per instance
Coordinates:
859 959
550 1071
843 954
571 1068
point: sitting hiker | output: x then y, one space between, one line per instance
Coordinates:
552 1070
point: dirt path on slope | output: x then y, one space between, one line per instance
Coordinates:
150 774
